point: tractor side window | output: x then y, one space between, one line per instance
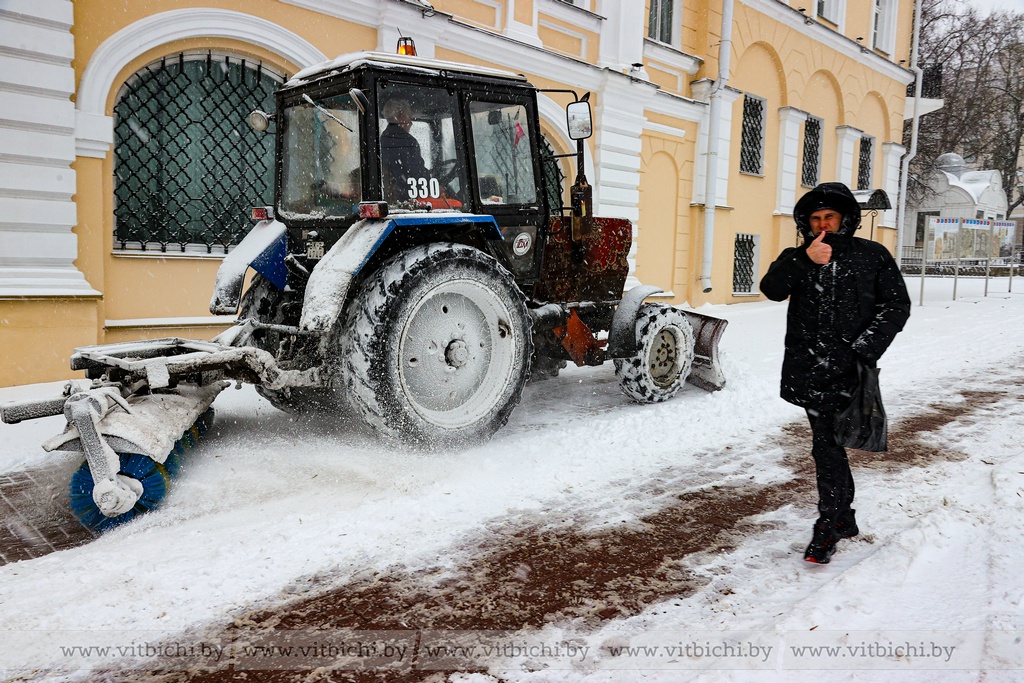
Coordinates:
419 160
504 157
321 173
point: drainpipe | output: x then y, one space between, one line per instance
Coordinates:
915 124
714 125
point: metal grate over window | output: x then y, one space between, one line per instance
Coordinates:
187 167
554 178
743 263
864 164
812 152
752 144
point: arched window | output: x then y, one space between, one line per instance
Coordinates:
187 166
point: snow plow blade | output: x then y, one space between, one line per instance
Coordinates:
706 372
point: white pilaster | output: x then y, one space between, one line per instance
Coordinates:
517 30
702 93
619 120
891 155
622 35
790 119
846 154
37 146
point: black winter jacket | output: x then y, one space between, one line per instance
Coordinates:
850 308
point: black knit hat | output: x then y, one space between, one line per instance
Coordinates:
835 196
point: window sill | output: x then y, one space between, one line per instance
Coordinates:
672 56
187 255
746 294
752 175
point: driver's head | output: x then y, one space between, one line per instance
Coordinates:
398 112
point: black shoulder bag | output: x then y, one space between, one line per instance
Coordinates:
862 424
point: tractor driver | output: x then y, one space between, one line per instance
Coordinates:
399 151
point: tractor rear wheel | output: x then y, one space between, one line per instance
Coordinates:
664 355
436 347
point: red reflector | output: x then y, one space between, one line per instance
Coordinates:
373 209
262 213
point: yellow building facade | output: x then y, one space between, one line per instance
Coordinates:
809 94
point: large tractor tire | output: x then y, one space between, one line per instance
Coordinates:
664 356
262 302
436 347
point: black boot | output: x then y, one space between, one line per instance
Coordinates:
846 527
823 543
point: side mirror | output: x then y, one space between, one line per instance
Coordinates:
359 99
260 120
578 117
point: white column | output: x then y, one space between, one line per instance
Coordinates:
37 146
790 119
846 154
891 155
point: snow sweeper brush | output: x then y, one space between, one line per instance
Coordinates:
148 405
147 477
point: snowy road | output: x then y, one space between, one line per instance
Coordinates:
588 518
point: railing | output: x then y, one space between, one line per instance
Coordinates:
910 264
931 82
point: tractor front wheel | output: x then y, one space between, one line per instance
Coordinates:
264 303
436 347
664 355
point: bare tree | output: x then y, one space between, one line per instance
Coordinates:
981 60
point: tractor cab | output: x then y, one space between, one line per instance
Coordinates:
419 136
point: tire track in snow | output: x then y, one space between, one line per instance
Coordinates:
527 576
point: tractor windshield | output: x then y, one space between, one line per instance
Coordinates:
320 176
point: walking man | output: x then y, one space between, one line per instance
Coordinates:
847 302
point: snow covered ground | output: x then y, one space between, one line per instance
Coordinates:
271 508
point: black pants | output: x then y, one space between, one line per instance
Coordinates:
835 481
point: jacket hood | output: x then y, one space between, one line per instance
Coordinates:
836 196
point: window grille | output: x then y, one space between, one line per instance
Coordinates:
554 177
812 151
864 165
752 145
187 166
743 261
659 25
